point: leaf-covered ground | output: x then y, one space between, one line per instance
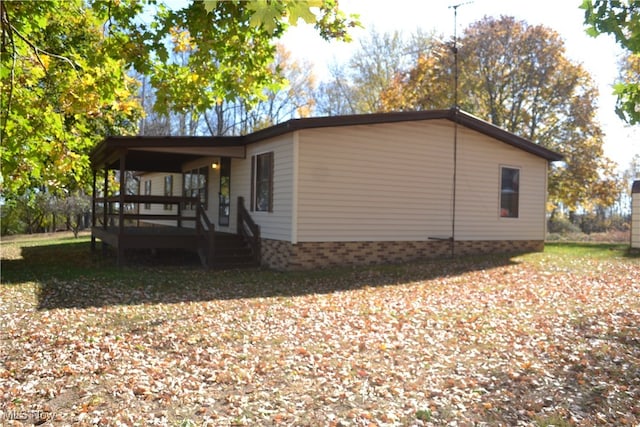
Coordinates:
541 339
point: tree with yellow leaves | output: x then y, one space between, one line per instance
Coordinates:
65 67
62 90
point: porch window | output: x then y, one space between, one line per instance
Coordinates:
509 192
147 192
195 185
262 182
168 191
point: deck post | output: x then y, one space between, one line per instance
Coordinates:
121 200
93 210
105 204
122 192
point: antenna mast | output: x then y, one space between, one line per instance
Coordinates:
455 51
455 124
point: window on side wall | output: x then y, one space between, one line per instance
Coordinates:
262 182
509 192
147 192
168 191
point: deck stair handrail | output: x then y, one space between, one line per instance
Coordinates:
206 231
248 229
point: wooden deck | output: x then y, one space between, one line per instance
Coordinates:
128 230
117 218
230 250
147 237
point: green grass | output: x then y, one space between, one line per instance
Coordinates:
591 250
64 258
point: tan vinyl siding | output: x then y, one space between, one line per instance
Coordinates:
478 190
635 221
387 182
157 189
277 224
393 182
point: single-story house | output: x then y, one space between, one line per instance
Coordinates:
323 191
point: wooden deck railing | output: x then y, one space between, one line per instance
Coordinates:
113 230
125 228
249 229
110 214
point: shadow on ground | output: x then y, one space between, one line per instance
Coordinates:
70 275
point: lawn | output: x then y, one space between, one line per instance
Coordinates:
541 339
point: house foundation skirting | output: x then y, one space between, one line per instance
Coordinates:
282 255
478 247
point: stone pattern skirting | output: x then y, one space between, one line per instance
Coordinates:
306 255
275 254
478 247
281 255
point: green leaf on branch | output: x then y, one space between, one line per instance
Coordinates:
265 14
628 104
210 5
302 10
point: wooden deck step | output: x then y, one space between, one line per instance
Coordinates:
232 251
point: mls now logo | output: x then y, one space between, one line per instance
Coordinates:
35 415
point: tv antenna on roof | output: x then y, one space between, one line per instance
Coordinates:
454 48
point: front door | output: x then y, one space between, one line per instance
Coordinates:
224 207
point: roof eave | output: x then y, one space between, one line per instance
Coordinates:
348 120
103 152
453 114
98 155
482 126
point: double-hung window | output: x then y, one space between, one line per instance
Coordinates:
509 192
262 182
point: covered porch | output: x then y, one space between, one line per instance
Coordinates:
116 208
